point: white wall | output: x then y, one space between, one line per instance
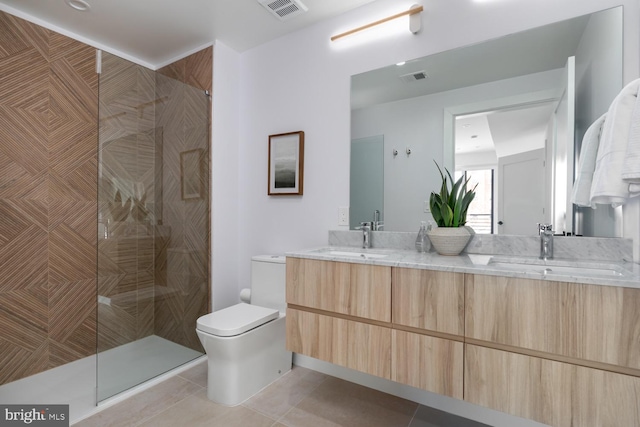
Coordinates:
414 123
477 160
418 123
594 93
598 73
224 176
301 82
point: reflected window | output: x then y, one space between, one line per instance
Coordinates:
480 213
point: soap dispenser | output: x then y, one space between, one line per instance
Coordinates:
422 241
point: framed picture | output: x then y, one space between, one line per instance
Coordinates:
191 174
286 164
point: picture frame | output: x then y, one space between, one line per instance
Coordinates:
286 164
191 174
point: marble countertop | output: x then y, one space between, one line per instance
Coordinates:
623 274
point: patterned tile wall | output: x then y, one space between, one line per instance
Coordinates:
195 70
48 172
182 266
154 277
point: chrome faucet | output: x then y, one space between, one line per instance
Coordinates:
546 241
366 234
376 225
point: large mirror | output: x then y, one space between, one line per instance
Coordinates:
509 113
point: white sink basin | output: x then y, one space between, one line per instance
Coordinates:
581 271
364 255
557 267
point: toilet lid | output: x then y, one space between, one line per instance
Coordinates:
236 319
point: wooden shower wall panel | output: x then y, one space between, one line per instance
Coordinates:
195 70
182 265
48 172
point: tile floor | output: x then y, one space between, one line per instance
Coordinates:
301 398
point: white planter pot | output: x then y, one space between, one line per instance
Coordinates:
449 240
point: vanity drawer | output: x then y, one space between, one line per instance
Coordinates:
554 393
426 362
358 290
581 322
429 300
355 345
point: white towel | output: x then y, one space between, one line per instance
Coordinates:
631 167
608 186
588 153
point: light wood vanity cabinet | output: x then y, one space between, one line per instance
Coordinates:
565 354
428 299
591 323
342 313
329 305
355 345
428 322
358 290
548 391
427 362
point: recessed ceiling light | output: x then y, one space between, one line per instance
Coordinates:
80 5
400 64
466 126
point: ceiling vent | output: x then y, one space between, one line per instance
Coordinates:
284 9
414 77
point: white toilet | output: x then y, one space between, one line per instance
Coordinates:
245 343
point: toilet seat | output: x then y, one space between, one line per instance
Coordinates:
236 320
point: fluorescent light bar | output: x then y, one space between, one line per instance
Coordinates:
414 10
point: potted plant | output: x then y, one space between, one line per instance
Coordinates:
449 210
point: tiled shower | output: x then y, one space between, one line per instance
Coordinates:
104 204
48 171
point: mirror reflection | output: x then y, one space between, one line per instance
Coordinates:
510 113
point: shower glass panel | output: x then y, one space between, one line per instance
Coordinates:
153 224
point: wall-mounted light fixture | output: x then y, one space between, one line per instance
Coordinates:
415 24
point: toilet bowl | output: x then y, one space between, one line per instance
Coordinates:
245 343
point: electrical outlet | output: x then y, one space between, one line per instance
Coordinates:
343 215
427 208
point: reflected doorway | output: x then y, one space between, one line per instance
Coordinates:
508 150
480 213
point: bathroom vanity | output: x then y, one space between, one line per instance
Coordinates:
559 347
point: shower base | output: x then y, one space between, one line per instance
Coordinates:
118 369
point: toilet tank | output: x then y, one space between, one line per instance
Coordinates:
268 281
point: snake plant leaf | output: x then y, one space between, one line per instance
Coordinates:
444 189
444 192
447 215
457 210
466 201
449 208
453 197
435 203
439 170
